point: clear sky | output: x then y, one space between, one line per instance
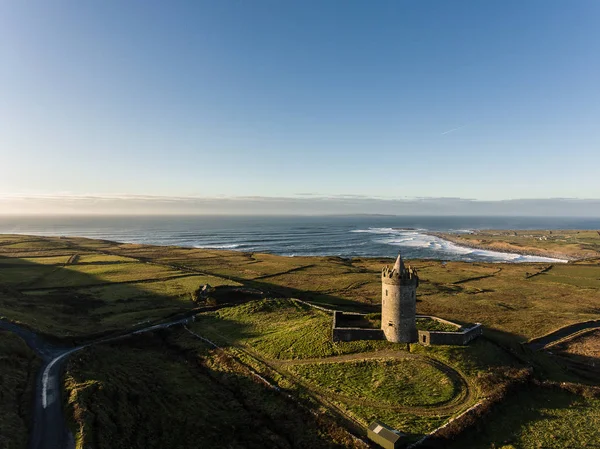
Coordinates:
479 99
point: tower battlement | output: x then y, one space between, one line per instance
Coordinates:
400 274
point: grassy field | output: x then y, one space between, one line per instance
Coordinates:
366 380
392 382
75 288
81 292
18 365
170 391
278 329
516 299
572 244
538 418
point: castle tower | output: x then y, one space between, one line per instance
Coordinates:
399 302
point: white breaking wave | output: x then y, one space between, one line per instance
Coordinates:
218 246
419 240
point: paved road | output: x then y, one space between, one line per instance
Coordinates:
563 332
49 430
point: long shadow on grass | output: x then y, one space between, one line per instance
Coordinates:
168 390
516 415
84 308
67 317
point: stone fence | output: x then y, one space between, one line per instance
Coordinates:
353 333
343 330
450 338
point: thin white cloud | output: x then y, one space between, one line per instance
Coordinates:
455 129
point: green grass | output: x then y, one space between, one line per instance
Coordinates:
106 258
473 359
81 275
26 261
180 288
512 306
279 329
573 244
41 244
26 276
538 418
578 276
17 376
505 299
414 426
393 382
427 324
154 393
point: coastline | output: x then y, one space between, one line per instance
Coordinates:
558 257
536 253
370 237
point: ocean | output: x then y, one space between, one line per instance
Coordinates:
346 236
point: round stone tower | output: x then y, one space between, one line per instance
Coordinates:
399 302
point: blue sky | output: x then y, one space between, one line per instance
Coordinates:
485 100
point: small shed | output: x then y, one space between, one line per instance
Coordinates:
385 436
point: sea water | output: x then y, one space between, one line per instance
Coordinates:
346 236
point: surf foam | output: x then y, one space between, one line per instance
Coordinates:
420 240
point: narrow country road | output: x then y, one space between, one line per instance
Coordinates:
48 427
539 343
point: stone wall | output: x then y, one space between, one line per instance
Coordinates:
341 332
450 338
353 333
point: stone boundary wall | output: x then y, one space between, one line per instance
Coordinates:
425 338
467 412
353 333
440 320
450 338
323 309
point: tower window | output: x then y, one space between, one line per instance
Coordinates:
386 292
390 324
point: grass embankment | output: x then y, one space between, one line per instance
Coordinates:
538 418
18 366
278 329
569 244
172 391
